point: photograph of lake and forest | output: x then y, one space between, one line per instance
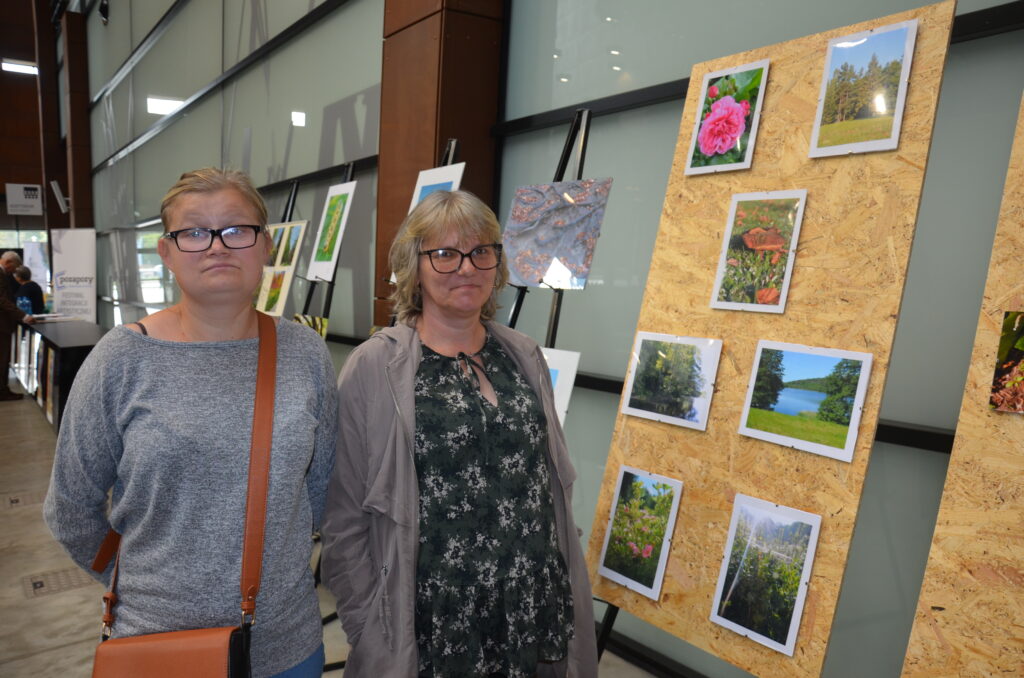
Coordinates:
807 398
758 250
863 91
640 530
763 579
672 379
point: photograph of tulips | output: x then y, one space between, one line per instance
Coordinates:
672 379
758 251
807 398
763 579
639 533
726 127
1008 380
863 89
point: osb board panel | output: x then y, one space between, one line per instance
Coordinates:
845 293
970 616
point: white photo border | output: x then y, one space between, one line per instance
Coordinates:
654 591
322 270
567 363
737 198
755 119
893 141
437 175
842 454
709 348
790 515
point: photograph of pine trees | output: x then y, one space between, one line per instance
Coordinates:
640 530
808 398
672 379
863 90
763 579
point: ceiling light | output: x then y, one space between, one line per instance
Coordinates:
19 66
298 119
616 68
162 105
615 52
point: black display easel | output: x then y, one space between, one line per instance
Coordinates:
579 133
346 176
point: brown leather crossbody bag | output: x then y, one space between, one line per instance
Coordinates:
204 653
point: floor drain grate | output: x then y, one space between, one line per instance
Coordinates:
46 583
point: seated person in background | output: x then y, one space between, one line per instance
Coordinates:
29 295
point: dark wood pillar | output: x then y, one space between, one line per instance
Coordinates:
54 164
76 98
440 79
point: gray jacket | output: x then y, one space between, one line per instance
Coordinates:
371 525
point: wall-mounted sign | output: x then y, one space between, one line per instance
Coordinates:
24 199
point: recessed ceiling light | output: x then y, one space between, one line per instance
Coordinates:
616 68
162 105
614 52
563 78
608 18
298 119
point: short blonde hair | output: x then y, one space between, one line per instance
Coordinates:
210 180
440 213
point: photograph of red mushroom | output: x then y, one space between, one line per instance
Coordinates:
758 251
1008 380
725 130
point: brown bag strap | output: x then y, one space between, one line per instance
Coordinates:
256 496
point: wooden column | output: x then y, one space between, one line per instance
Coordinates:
49 114
76 98
440 79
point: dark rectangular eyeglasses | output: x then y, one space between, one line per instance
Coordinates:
201 239
449 259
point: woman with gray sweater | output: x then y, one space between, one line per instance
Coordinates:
160 416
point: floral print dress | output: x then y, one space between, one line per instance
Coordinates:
492 590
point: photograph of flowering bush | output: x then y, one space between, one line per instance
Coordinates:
763 579
640 530
1008 380
758 251
726 127
863 89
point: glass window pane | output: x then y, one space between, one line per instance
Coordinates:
248 25
108 45
113 195
146 15
111 122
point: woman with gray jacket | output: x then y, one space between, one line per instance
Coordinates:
449 540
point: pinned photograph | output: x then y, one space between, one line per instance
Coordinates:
639 533
291 243
331 231
274 293
276 236
562 366
863 90
445 178
1008 380
758 251
552 230
725 131
672 379
807 398
762 583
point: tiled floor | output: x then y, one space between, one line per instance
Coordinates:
49 614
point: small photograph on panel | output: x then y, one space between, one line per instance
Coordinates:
758 251
672 379
331 231
726 128
863 90
552 230
444 178
1008 380
762 583
291 243
806 397
639 533
275 292
276 236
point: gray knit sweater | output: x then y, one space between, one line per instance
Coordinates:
167 425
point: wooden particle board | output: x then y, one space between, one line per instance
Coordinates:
970 616
846 289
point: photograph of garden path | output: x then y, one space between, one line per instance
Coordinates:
726 130
863 90
763 578
672 379
639 533
1008 380
808 398
758 251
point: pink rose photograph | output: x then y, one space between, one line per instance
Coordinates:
726 127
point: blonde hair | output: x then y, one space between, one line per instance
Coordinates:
440 213
210 180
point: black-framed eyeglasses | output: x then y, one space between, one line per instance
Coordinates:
196 239
449 259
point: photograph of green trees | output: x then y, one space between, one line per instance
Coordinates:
672 379
808 398
1008 380
640 530
763 579
863 90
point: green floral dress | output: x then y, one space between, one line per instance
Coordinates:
492 590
